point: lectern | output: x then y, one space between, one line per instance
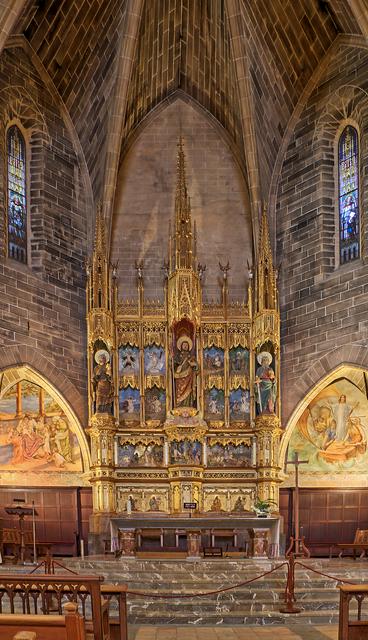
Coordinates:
23 510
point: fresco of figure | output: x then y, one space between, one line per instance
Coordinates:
265 384
185 373
102 382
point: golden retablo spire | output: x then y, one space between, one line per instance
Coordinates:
183 238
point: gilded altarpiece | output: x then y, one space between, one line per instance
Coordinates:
184 395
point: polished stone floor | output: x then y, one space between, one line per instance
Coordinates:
296 632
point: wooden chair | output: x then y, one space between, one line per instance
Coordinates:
69 626
360 543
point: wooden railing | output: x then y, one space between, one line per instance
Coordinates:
46 594
352 629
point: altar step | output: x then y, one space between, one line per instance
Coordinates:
255 604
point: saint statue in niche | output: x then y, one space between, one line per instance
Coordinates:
185 373
102 382
265 384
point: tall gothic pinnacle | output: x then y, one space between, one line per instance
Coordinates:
100 232
183 239
264 248
267 292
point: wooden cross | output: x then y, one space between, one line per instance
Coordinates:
297 545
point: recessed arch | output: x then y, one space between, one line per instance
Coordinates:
24 376
343 371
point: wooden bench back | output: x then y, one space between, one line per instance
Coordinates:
45 594
65 627
361 536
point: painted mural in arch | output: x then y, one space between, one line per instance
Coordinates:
35 433
332 434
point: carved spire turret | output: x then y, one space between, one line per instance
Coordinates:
99 269
182 242
266 276
184 292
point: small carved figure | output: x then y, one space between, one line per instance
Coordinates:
265 384
102 382
185 373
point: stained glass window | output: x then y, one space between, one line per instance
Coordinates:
17 205
349 195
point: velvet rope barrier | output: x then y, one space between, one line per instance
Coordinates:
206 593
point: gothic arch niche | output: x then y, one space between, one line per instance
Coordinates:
41 440
144 202
329 428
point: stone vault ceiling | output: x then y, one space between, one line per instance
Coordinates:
246 62
185 45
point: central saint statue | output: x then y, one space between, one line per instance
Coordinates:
185 373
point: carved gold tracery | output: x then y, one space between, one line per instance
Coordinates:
252 325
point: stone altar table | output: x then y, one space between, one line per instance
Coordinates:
267 529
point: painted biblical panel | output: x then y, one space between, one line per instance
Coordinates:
35 434
213 361
239 361
214 401
229 455
128 360
129 403
332 432
185 452
154 361
155 404
140 454
240 405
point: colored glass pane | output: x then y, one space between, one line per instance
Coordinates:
349 195
17 206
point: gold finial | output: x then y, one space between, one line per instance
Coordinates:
267 295
100 234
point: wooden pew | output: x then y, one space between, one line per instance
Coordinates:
26 592
360 543
69 626
352 629
45 594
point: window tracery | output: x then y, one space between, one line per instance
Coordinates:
16 195
349 215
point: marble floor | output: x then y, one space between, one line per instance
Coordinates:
296 632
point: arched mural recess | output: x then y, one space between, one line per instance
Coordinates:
329 429
41 440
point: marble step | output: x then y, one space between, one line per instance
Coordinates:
265 617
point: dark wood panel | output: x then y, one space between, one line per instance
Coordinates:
63 514
326 515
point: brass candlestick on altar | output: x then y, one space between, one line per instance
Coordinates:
22 511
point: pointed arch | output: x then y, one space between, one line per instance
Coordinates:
40 433
13 356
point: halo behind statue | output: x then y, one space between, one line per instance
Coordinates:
184 339
266 355
102 352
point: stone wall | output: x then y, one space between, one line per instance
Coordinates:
42 304
144 205
323 305
77 42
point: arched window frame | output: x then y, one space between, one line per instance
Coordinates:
25 138
340 194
